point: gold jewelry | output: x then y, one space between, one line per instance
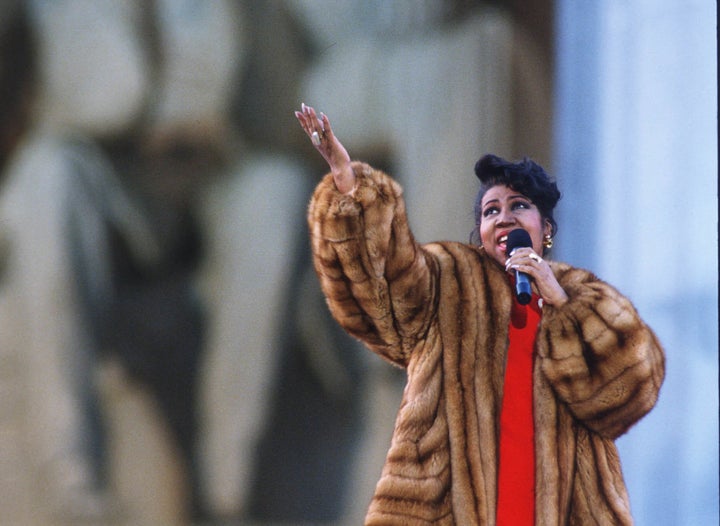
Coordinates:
548 241
316 140
535 257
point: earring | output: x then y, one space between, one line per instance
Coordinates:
548 241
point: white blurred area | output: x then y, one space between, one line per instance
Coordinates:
154 274
637 137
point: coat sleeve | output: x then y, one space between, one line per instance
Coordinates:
601 359
377 280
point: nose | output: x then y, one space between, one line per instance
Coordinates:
505 217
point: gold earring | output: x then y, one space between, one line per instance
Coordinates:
548 241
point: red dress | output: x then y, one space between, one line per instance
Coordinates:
516 478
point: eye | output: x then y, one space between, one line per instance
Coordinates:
521 204
490 210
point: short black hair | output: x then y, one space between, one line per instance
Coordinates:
526 177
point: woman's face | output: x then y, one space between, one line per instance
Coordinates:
502 210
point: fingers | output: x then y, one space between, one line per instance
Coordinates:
528 261
310 121
314 121
305 121
316 127
325 124
523 256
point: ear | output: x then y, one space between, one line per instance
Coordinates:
547 230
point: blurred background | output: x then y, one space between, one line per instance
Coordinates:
166 357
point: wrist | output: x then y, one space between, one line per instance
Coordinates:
558 300
344 179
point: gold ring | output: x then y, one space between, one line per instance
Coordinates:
535 257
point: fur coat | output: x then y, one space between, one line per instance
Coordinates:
441 311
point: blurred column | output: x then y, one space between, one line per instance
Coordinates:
637 158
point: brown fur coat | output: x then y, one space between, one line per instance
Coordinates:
441 311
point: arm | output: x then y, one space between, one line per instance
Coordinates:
377 279
332 150
599 356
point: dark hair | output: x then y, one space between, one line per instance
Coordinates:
526 177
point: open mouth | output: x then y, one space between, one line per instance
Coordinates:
502 242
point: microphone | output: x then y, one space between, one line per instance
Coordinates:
519 238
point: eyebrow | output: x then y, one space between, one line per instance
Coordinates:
514 196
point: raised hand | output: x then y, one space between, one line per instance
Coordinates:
325 142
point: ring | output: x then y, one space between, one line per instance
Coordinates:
535 257
315 138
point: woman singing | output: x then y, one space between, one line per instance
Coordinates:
511 407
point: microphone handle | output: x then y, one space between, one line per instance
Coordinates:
523 292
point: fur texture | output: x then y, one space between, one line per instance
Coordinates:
441 311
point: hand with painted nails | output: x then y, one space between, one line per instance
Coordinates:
320 132
525 259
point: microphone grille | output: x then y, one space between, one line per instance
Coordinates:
518 238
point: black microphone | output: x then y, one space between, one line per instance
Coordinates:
519 238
